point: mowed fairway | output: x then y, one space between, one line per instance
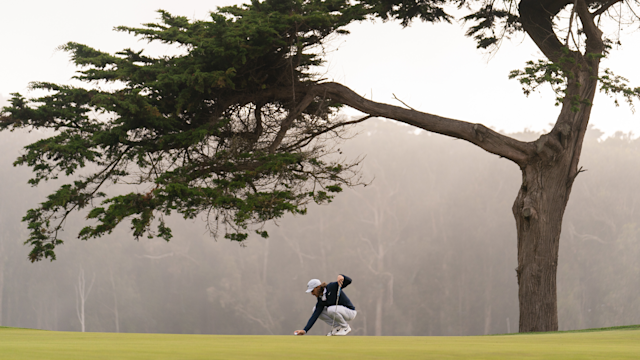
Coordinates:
53 345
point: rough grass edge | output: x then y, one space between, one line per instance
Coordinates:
613 328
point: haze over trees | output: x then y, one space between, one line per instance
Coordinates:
452 266
239 127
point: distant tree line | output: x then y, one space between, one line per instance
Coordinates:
429 244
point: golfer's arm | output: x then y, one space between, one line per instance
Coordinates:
314 316
346 282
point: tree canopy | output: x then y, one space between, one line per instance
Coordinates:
221 129
238 126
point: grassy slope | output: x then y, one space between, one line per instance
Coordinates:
622 343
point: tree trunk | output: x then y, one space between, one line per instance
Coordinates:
82 293
1 285
3 260
488 292
115 300
380 270
378 325
539 207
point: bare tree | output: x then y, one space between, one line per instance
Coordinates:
114 293
82 294
3 258
254 305
381 204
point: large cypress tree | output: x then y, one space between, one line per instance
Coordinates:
238 127
227 128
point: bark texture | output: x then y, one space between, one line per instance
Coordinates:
548 176
547 180
1 285
538 211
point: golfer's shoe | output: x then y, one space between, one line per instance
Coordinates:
333 331
343 331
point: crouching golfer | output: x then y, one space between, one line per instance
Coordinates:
335 311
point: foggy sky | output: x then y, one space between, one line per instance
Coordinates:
433 68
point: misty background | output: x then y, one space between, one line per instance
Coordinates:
430 245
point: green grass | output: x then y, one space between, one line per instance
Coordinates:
612 343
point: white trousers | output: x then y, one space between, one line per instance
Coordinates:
342 315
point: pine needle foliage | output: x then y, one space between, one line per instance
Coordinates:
218 130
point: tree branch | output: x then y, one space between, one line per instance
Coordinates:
594 35
537 20
288 121
604 7
570 31
306 140
403 103
257 113
491 141
6 120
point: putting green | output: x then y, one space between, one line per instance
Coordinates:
53 345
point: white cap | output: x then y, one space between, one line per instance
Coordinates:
312 284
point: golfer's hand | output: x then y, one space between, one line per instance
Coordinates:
340 280
299 332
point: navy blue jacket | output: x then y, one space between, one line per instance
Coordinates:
332 292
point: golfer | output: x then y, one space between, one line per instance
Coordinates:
335 311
